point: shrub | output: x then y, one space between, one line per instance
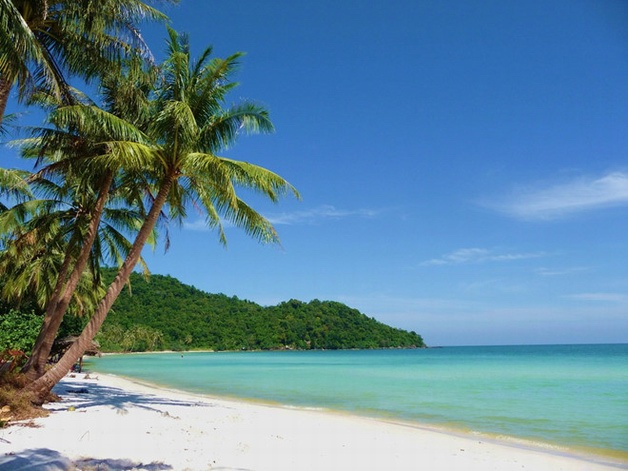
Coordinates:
19 330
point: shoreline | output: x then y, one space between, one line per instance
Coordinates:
107 420
578 450
589 454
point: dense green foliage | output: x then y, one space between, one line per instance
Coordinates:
19 327
18 330
164 313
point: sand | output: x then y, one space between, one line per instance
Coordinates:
111 423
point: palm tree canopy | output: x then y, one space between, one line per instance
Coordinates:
191 125
36 235
41 40
82 145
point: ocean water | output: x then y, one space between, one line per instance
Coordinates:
573 396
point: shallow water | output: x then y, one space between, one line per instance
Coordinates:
566 395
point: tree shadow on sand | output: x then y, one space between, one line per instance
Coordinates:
39 459
84 395
80 395
106 465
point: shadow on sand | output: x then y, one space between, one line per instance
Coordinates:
39 458
84 394
43 459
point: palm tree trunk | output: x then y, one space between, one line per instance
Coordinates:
42 386
5 89
60 300
29 369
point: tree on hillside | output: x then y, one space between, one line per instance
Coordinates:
42 40
218 322
189 126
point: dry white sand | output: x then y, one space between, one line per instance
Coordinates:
112 423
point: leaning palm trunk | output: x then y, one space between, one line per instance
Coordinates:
33 368
5 89
43 385
60 300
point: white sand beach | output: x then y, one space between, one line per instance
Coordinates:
106 422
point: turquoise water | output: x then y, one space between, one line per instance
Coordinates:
567 395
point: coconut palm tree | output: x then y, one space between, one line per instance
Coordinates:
189 127
43 40
47 239
54 238
86 148
34 239
40 41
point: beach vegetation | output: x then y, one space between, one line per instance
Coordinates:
18 330
176 149
83 217
154 142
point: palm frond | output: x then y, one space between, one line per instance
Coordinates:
13 184
254 224
222 131
258 179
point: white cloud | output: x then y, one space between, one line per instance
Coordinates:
315 215
563 199
476 255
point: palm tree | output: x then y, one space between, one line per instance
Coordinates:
86 148
189 127
42 40
48 239
34 239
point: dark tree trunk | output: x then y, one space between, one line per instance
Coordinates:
42 386
60 300
5 89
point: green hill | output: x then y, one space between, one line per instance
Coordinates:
164 313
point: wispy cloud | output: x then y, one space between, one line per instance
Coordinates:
601 297
543 271
196 225
310 217
476 255
316 215
563 199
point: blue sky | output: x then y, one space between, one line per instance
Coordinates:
462 165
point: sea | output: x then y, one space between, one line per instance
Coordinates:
571 398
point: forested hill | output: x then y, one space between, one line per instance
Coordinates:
163 313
